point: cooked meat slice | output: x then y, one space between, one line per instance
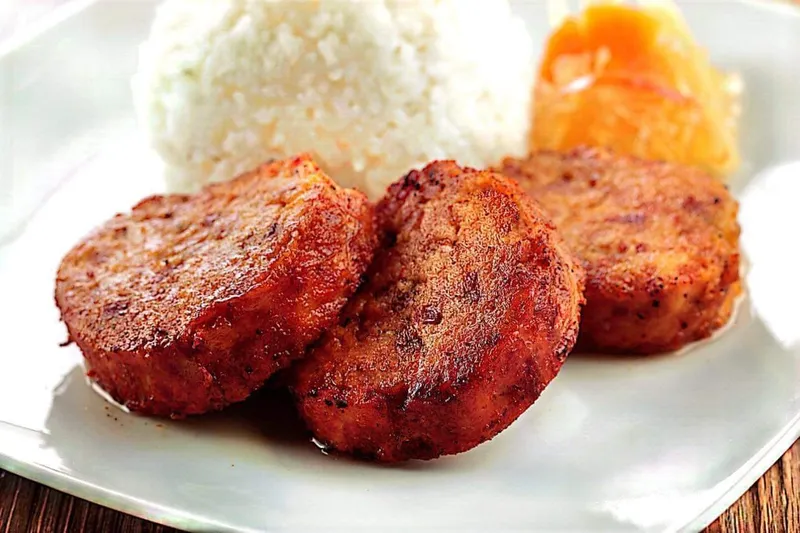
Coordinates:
469 309
659 242
189 303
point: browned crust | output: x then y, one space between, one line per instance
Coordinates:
659 242
468 312
189 303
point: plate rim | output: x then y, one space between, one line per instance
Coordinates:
745 477
42 25
726 493
99 495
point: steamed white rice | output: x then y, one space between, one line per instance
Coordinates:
371 88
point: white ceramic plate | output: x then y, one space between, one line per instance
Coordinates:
661 443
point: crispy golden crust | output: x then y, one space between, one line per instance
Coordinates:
659 242
468 312
189 303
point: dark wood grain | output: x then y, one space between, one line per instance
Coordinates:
772 505
26 507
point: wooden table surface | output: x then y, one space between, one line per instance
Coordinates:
772 505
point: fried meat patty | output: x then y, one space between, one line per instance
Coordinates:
468 311
189 303
659 242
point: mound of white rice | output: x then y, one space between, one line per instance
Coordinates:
371 88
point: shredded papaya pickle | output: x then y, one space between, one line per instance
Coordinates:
632 78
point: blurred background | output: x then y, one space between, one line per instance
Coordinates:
15 14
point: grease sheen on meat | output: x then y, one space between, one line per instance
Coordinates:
659 242
469 310
189 303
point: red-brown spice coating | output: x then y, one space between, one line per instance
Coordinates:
189 303
469 309
659 242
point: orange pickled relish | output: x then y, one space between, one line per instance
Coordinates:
633 79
